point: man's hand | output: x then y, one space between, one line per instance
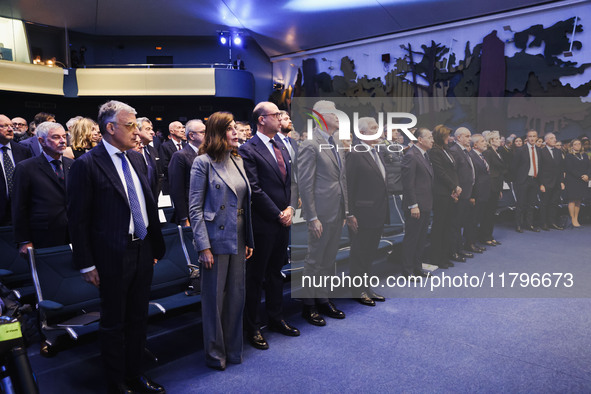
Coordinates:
352 223
248 253
542 189
315 227
415 212
92 277
561 186
285 217
585 178
185 223
23 250
472 201
206 258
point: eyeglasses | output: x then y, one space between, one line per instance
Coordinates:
129 126
19 124
276 115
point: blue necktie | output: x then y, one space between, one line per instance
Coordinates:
334 150
134 203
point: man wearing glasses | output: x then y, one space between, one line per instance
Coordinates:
179 170
268 168
116 237
21 129
11 154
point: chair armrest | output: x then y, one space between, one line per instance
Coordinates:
50 305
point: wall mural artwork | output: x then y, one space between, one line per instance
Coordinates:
437 80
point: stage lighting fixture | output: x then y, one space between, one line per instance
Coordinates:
223 38
237 40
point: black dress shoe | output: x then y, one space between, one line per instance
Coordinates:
330 310
456 257
557 227
217 367
257 340
473 249
364 299
143 384
374 296
284 328
519 229
310 313
533 228
496 242
545 228
489 243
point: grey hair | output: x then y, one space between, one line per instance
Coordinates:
44 128
109 111
489 137
192 125
141 121
363 123
547 136
73 121
461 131
475 138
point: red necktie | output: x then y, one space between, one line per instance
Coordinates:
533 158
279 157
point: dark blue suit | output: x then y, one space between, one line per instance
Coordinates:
179 180
19 153
99 218
32 143
271 194
39 203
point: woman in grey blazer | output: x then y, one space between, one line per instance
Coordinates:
219 210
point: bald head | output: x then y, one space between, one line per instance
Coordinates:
267 118
6 131
177 131
462 137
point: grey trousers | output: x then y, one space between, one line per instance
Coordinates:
222 306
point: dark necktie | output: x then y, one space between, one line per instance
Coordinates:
149 164
279 157
533 158
471 164
58 169
427 158
134 202
334 150
179 146
374 154
552 152
8 169
484 160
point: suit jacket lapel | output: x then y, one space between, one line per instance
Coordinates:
262 150
321 141
105 163
423 160
48 170
372 163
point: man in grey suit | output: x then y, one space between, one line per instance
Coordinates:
417 200
323 190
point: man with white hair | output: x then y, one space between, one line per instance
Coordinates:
176 142
39 195
179 170
150 154
551 182
323 189
116 238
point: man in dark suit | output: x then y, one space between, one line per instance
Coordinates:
268 168
417 201
39 195
526 183
464 209
322 185
176 142
551 182
481 189
368 205
32 143
292 149
11 154
179 170
116 238
151 156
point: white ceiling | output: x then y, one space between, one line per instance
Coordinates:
279 26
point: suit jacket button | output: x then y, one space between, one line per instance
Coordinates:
223 207
217 186
221 227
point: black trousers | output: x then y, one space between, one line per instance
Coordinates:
549 207
461 220
364 248
441 230
413 243
487 223
125 293
263 272
527 196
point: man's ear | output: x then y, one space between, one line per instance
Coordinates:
110 128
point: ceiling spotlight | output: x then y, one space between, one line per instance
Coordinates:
223 38
237 40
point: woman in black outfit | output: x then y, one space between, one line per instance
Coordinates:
446 190
577 180
498 172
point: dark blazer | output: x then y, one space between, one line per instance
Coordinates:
39 203
166 151
446 176
498 169
154 170
417 180
98 210
481 189
366 190
551 168
32 143
271 194
464 170
521 163
295 194
179 179
19 153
